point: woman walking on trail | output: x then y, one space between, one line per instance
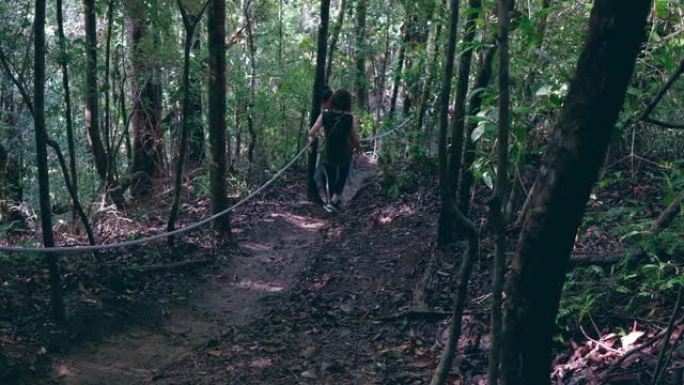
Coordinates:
342 139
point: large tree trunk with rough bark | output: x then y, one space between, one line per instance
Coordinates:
218 144
569 171
92 92
148 148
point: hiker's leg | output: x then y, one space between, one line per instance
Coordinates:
330 181
343 173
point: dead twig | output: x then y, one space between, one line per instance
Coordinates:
660 366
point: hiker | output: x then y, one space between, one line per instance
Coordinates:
342 140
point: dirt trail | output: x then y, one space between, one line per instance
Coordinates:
274 249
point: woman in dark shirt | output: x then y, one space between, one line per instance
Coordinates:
342 138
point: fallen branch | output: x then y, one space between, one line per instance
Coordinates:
155 268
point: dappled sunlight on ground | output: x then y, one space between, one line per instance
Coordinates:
302 222
255 246
269 287
389 214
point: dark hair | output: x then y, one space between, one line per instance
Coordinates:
326 94
341 101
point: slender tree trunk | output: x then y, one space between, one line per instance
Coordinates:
67 101
482 81
238 134
72 192
496 214
125 119
449 213
458 122
446 219
361 81
92 93
57 301
252 85
334 39
219 147
428 88
570 170
195 126
189 24
539 43
380 87
398 72
108 134
319 80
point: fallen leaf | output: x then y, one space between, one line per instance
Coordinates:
629 340
215 353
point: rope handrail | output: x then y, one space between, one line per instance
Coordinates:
152 238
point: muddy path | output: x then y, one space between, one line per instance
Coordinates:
275 241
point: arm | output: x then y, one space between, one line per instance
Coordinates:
356 141
313 132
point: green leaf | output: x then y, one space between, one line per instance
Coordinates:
478 131
488 179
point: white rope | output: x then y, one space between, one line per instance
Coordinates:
152 238
89 249
379 136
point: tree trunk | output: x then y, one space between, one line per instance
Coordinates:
319 81
428 83
195 127
218 143
482 81
400 69
252 85
496 214
445 233
92 93
108 133
11 174
148 154
570 169
189 24
449 213
361 81
458 122
333 40
67 100
57 301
